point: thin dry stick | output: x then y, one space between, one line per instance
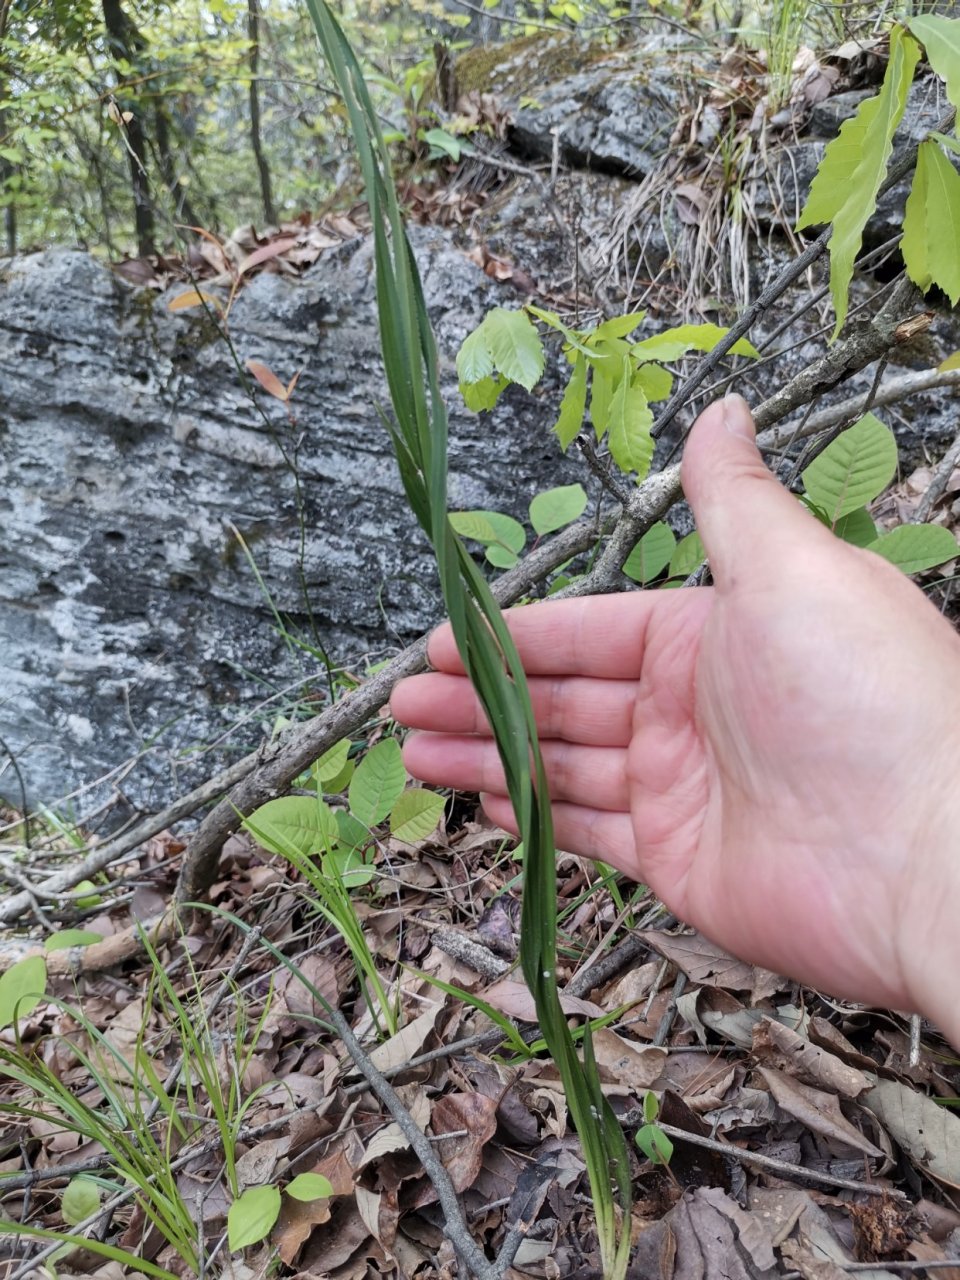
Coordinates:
781 1167
469 1252
941 477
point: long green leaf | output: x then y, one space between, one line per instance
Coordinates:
489 656
941 42
931 223
853 469
854 165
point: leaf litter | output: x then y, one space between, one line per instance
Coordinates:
751 1067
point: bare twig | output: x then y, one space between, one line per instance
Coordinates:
469 1252
781 1167
934 492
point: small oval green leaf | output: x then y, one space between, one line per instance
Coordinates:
251 1217
652 553
81 1200
554 508
64 939
416 814
688 556
852 469
915 547
298 825
310 1186
378 783
22 988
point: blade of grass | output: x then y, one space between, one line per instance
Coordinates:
419 434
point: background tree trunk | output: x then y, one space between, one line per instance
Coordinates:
126 42
263 169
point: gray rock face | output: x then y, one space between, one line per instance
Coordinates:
149 504
132 464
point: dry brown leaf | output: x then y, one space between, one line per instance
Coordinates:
265 253
514 999
699 1238
704 962
818 1111
408 1041
927 1132
267 379
462 1156
296 1223
775 1045
621 1062
391 1137
193 298
257 1166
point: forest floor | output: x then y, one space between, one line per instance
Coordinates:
153 1085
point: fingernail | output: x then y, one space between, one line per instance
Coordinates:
737 417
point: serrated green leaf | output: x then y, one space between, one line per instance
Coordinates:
480 397
844 190
22 987
415 815
654 381
378 782
675 343
81 1200
941 42
331 763
652 553
852 469
300 824
310 1186
857 528
352 867
915 547
251 1217
473 525
629 439
515 346
474 360
574 338
554 508
915 243
573 405
931 224
619 326
689 555
602 388
64 939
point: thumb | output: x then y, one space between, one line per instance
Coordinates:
746 518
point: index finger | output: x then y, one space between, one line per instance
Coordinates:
599 636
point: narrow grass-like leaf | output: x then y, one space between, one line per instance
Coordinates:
482 637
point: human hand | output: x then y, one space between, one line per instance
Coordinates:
775 755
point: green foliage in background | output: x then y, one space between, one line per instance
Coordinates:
854 166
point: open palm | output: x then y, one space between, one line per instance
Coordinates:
758 751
